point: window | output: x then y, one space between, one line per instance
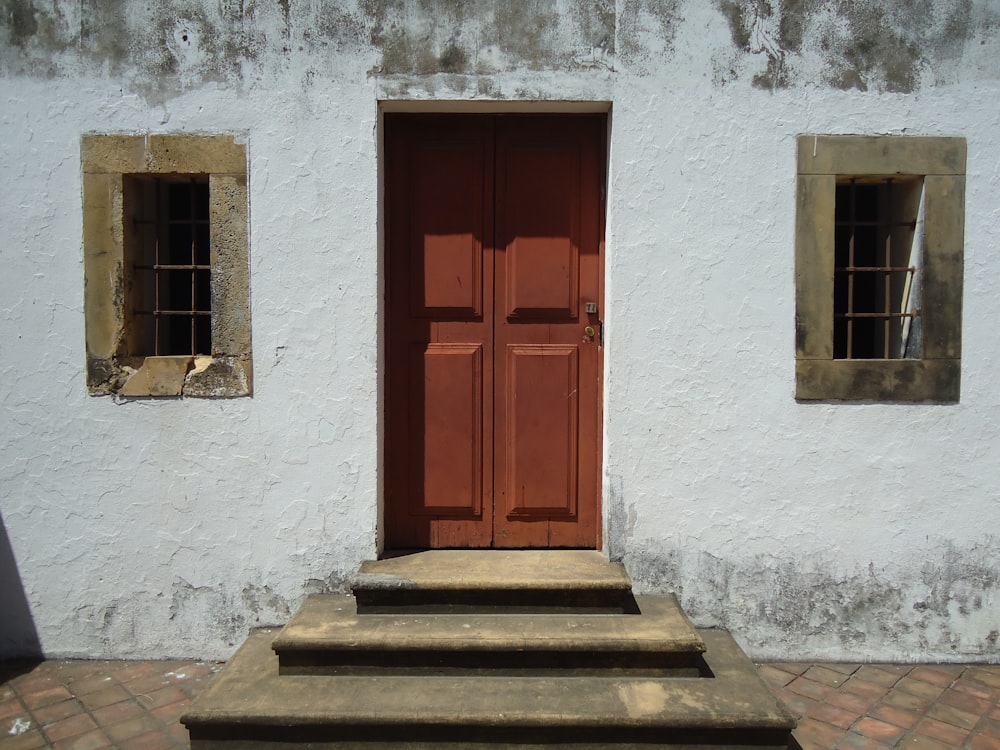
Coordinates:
878 239
878 268
166 265
168 243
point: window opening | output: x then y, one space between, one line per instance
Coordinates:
171 265
878 251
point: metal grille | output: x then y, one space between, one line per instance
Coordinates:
878 249
172 302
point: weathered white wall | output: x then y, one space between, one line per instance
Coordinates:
170 527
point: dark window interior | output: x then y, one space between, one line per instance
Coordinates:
170 251
878 245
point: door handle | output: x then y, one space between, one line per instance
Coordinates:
593 310
590 332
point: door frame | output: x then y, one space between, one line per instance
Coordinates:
546 108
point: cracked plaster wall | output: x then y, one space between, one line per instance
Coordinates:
169 528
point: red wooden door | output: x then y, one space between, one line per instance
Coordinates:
494 362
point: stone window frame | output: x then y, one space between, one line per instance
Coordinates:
111 368
936 375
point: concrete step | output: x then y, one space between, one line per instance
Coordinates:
250 706
441 581
328 636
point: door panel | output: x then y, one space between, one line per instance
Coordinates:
541 221
451 431
446 208
493 392
541 437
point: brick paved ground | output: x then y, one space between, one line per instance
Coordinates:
880 706
87 705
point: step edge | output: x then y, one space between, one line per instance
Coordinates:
480 646
226 718
755 708
386 582
659 625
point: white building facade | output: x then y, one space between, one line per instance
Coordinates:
812 528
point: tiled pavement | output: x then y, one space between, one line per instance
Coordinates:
86 705
880 706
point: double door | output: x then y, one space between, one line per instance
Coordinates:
494 267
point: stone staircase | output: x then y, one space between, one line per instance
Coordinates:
464 649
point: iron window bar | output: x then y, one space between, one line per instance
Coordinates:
170 245
896 279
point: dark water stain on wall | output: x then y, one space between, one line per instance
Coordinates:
598 25
744 18
454 59
27 26
524 31
224 616
101 33
935 604
331 29
637 18
168 46
161 49
243 39
487 36
21 21
737 14
875 50
267 607
884 46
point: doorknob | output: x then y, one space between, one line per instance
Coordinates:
593 310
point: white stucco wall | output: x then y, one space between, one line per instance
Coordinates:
156 528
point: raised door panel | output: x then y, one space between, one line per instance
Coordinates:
446 226
446 429
542 398
541 229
